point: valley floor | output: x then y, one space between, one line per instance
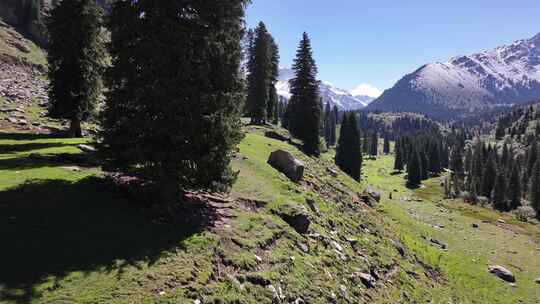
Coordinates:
70 236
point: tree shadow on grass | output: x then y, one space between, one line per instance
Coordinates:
17 148
50 228
29 136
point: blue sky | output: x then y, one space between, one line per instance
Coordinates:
376 42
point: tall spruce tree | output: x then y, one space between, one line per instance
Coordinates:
304 109
489 174
273 98
498 195
398 162
172 114
260 76
374 144
76 56
386 145
535 189
514 188
349 152
414 169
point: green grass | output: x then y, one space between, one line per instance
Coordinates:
75 238
471 250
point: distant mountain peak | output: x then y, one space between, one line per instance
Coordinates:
343 99
505 75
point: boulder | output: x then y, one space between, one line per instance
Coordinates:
286 163
502 273
367 279
537 281
296 216
373 194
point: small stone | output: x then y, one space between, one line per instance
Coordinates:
87 148
197 301
475 225
501 221
162 293
337 246
258 258
367 279
537 281
439 243
502 273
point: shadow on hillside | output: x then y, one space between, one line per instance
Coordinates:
50 228
29 136
17 148
49 160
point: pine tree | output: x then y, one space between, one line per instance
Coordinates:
76 57
398 163
328 124
333 122
535 189
386 145
259 78
304 103
348 152
172 114
514 188
488 176
374 144
273 98
414 169
342 146
498 195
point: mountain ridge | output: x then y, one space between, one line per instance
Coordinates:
341 98
503 76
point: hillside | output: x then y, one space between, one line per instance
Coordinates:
503 76
238 249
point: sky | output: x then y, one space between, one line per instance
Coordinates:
366 46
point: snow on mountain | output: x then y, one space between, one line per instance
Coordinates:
344 100
502 76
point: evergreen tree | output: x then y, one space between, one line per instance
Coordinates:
498 195
328 124
304 103
514 188
172 114
333 122
414 169
273 98
374 144
76 57
398 163
260 76
386 145
488 176
348 152
535 189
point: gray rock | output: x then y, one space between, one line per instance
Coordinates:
275 135
367 279
286 163
537 280
296 216
502 273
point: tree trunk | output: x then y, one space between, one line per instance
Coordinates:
75 129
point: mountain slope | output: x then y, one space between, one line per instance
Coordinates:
344 100
500 77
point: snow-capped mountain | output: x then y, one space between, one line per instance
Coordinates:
504 76
344 100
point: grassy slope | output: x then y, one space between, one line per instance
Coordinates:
73 238
471 250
